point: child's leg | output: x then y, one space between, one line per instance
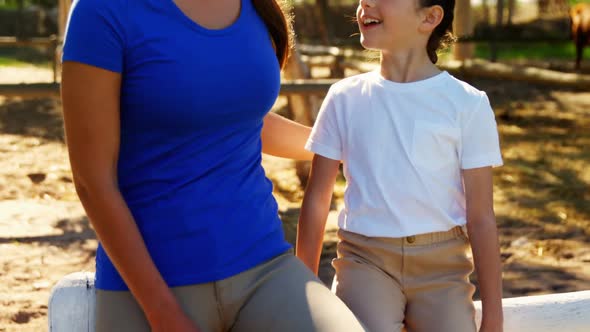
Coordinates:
366 280
437 284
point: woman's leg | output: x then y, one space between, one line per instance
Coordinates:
284 295
118 311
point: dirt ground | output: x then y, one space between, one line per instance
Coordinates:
541 199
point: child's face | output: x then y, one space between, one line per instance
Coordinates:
389 25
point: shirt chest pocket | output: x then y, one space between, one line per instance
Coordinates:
435 147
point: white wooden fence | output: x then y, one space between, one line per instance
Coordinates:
72 305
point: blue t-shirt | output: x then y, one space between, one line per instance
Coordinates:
192 107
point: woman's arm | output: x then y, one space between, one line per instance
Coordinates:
483 235
284 138
315 209
91 114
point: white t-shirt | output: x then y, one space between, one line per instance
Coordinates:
403 146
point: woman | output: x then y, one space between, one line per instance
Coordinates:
166 115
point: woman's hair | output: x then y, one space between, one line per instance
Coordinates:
278 23
442 36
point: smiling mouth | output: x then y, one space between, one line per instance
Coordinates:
367 22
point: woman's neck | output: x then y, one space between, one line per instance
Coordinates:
407 66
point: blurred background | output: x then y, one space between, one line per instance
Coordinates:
521 52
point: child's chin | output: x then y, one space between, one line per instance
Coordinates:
368 44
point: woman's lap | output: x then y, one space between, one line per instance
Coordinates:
278 295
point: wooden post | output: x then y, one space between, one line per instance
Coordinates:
63 11
55 46
463 27
62 20
301 107
72 304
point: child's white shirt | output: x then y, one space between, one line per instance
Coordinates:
403 146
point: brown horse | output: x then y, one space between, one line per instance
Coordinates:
580 18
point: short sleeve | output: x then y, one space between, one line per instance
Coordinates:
325 135
94 34
479 137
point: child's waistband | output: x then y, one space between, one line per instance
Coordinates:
416 240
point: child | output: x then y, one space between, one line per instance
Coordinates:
418 148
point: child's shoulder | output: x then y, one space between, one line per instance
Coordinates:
352 83
461 90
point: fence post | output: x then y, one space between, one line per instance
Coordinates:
72 304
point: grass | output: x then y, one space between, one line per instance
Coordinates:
11 62
527 51
532 51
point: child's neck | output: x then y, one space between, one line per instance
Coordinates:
407 66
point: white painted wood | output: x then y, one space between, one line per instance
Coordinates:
567 312
72 304
72 309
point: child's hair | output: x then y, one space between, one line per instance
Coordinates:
442 37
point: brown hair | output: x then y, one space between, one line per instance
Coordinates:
278 23
442 36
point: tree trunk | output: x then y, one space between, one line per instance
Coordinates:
324 29
500 13
499 24
511 11
463 28
486 12
20 19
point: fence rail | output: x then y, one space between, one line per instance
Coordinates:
52 42
31 90
72 306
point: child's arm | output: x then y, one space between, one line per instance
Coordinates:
483 235
315 209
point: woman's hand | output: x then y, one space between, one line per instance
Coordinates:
176 321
